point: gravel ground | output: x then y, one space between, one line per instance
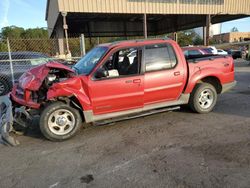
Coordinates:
172 149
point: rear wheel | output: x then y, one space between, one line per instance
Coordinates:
59 121
203 98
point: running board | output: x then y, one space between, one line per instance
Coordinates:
89 116
104 122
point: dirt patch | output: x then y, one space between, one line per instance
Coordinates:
87 178
237 152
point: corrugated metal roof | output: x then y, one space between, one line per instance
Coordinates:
157 7
154 6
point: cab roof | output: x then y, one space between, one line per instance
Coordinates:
139 42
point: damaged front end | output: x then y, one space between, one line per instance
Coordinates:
28 96
6 123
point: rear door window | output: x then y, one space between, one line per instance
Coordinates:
159 57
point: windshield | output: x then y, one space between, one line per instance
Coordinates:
89 61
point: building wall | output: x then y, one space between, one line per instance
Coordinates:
239 36
52 14
232 37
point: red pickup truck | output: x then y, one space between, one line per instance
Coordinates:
120 80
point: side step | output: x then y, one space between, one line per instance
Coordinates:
113 120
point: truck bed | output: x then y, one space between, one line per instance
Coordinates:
217 67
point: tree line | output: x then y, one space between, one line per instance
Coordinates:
14 32
37 39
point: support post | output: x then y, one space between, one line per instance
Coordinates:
208 23
89 34
82 43
204 36
176 37
60 36
145 26
65 27
11 63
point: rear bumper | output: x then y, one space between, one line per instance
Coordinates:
228 86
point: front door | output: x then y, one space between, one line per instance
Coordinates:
122 88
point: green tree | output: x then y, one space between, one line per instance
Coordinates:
35 33
3 46
212 41
11 32
186 38
14 32
198 40
234 29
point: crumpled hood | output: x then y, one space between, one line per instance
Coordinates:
33 79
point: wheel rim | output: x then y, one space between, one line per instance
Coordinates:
206 98
2 87
61 122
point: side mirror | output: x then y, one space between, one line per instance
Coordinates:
101 73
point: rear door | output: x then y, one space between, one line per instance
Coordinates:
164 74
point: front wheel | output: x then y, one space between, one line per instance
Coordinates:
203 98
59 121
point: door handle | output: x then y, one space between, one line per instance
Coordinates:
177 73
226 64
137 81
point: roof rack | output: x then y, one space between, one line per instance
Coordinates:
148 39
139 40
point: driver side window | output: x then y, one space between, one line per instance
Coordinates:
123 63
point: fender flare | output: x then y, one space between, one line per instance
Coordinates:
198 76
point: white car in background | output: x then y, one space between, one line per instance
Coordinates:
213 50
221 52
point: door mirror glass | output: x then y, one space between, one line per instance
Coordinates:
101 73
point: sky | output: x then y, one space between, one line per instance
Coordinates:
23 13
31 14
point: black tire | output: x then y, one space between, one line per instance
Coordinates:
50 125
5 86
199 104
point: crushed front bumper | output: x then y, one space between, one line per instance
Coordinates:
21 117
6 124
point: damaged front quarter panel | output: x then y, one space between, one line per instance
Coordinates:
71 87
